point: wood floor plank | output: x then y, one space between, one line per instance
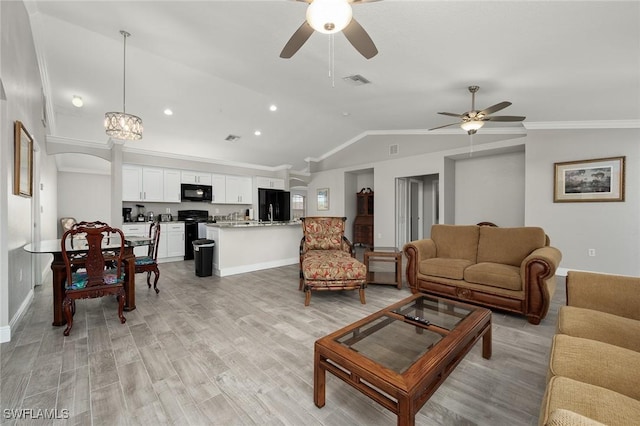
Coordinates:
238 350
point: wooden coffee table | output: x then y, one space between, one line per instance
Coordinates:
400 355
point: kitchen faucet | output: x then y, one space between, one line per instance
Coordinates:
271 213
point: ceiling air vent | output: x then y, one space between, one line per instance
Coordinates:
232 138
356 80
393 149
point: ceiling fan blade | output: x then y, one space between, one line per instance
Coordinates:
296 41
504 118
359 38
495 108
446 125
452 114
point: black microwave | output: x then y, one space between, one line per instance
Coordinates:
190 192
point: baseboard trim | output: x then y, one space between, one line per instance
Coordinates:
255 267
5 332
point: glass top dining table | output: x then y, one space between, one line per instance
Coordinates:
54 247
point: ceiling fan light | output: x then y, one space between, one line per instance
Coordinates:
471 125
329 16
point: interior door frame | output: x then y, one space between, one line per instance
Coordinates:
420 205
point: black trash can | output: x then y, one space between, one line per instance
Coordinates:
203 254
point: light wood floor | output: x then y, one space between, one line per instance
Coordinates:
239 351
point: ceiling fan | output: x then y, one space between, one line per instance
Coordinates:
328 17
473 120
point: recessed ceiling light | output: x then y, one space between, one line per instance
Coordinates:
273 108
346 114
168 112
257 133
77 101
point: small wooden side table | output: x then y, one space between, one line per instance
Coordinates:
384 254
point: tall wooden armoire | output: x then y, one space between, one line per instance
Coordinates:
363 224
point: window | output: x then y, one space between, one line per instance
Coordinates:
297 206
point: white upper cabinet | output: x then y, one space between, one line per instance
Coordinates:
142 183
269 183
199 178
239 190
152 184
172 185
219 189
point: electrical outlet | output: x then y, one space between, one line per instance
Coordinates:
379 235
168 210
592 252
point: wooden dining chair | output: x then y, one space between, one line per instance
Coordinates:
92 272
149 263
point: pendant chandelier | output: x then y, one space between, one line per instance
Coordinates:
120 125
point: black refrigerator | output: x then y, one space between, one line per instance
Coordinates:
276 202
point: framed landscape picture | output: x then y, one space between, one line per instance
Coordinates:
23 161
600 179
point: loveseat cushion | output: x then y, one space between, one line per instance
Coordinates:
597 403
494 275
332 265
562 417
456 241
508 246
596 363
445 268
601 326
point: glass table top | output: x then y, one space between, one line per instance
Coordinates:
398 338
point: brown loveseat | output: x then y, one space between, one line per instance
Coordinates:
593 373
506 268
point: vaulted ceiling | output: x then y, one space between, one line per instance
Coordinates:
216 64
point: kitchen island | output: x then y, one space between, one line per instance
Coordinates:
251 246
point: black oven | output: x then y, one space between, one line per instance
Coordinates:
190 192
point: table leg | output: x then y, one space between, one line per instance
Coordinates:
406 413
486 343
130 279
319 380
59 273
399 271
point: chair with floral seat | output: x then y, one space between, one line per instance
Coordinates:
149 263
327 258
92 271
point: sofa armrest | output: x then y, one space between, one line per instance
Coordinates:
561 417
537 272
613 294
417 251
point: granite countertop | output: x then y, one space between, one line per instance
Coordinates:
251 224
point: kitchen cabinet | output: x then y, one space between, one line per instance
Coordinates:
239 190
196 177
171 243
142 183
171 240
269 183
172 186
219 190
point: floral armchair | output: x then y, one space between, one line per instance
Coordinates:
327 258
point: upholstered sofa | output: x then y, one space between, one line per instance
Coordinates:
594 363
512 269
327 258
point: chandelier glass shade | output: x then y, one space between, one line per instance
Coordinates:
329 16
120 125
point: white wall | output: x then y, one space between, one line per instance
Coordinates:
611 228
22 84
490 189
84 196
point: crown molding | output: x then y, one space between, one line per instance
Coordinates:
591 124
207 160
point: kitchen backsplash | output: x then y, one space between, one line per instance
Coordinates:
159 208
